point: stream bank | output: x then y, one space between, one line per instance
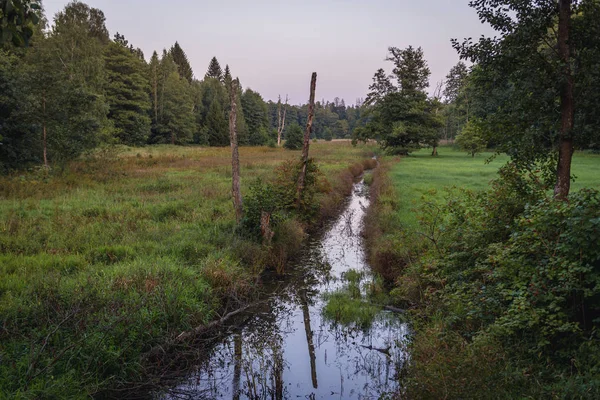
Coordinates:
316 336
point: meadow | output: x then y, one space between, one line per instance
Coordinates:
420 175
113 255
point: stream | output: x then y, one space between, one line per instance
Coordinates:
289 348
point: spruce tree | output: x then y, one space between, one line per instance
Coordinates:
216 124
214 70
183 64
227 79
154 66
127 94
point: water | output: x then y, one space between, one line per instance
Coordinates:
288 349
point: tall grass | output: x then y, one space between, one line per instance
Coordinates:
117 253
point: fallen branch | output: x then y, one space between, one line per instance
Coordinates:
199 330
394 309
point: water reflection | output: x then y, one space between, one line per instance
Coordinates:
288 349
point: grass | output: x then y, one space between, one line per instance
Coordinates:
447 364
116 254
421 175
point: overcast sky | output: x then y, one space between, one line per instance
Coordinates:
274 45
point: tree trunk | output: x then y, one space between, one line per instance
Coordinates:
279 121
237 365
311 111
44 133
567 106
434 152
309 339
235 156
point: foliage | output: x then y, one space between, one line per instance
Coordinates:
127 95
176 121
294 137
17 20
381 87
471 139
214 70
502 281
183 65
402 118
255 116
405 123
410 68
217 125
517 82
278 197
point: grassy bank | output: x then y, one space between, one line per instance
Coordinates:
114 255
501 294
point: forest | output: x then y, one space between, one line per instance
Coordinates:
445 232
74 89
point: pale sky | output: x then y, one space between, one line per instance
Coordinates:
274 46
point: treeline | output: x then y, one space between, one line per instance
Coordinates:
72 88
509 103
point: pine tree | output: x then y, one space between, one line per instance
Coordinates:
214 70
153 78
216 125
183 64
127 94
227 79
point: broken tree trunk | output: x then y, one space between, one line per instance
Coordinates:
567 107
311 111
265 227
235 156
281 120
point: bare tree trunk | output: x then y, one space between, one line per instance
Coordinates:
309 339
44 137
284 114
311 111
279 121
265 227
172 137
567 107
237 365
235 156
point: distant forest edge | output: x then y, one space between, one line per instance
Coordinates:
69 88
72 89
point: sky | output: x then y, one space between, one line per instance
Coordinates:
273 46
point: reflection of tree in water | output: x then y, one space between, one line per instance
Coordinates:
289 332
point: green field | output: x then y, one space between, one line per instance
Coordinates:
419 174
114 255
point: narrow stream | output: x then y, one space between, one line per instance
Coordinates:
289 349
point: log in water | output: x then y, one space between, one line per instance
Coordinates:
288 348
